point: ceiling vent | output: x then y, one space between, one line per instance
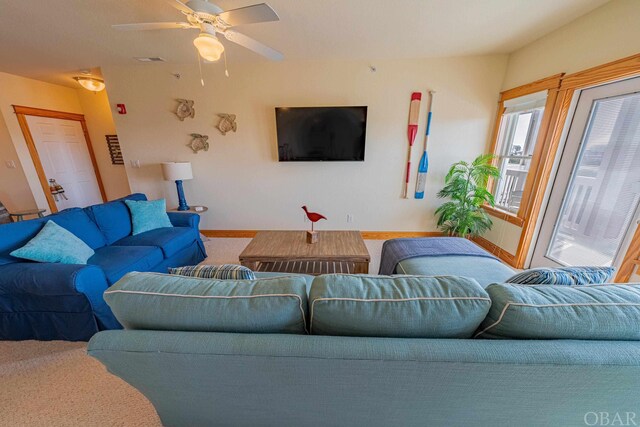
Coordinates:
151 59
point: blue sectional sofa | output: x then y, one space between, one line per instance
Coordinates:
47 301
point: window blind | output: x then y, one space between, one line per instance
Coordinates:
526 102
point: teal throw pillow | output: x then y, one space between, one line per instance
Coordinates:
148 215
55 244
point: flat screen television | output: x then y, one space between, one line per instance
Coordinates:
308 134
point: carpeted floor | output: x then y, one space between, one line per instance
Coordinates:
55 383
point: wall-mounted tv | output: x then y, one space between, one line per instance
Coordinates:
309 134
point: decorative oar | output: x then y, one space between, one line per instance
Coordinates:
414 115
423 167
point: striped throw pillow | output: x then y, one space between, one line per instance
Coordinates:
222 272
563 276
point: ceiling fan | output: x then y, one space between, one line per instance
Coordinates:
211 19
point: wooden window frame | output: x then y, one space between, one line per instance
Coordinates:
21 113
561 90
551 85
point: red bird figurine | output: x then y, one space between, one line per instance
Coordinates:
313 217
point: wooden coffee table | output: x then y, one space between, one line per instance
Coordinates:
289 252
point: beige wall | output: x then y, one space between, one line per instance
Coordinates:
608 33
99 118
15 193
240 178
21 187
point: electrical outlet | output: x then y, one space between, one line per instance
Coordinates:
349 218
11 164
305 218
135 164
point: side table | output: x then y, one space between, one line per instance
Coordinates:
190 210
19 215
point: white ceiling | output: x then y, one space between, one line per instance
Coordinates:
52 39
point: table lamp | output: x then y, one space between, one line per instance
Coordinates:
178 171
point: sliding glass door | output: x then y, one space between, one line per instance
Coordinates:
594 204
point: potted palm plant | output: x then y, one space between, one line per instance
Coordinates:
466 187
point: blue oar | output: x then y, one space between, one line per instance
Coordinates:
423 167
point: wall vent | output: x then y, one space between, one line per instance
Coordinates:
151 59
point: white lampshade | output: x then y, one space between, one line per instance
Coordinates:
176 171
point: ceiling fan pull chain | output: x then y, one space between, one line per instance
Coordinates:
200 68
226 71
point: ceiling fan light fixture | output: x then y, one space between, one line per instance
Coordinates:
209 47
90 83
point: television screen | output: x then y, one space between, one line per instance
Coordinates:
321 133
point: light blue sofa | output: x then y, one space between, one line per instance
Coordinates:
48 301
205 379
196 377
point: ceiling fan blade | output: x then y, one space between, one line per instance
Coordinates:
153 26
253 45
249 15
181 6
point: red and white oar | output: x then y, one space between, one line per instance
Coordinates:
414 115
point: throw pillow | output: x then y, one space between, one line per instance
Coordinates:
55 244
148 215
563 276
225 271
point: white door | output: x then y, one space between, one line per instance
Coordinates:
64 156
595 200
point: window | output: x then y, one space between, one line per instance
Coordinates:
516 142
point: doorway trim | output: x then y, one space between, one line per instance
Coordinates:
21 113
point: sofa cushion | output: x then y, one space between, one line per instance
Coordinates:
170 239
113 218
80 224
55 244
177 303
269 274
587 312
398 306
75 220
222 272
116 261
563 276
148 215
16 235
